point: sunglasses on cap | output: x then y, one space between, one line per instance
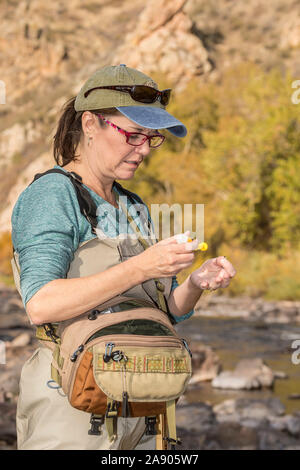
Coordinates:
141 93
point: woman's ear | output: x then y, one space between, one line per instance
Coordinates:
89 122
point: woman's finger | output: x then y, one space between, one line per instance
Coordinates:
225 264
203 285
168 241
223 276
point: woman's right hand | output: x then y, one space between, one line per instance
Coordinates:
166 258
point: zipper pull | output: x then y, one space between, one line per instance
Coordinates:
76 353
125 406
184 342
108 351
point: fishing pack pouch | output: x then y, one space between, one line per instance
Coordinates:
131 361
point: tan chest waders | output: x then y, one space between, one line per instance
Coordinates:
122 357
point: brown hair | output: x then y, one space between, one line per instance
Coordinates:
69 131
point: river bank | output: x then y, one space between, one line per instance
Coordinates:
247 308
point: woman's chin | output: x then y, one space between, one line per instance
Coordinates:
125 175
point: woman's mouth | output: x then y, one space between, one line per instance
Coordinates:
133 164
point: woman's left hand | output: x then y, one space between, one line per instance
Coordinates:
214 273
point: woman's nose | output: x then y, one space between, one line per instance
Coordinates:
143 149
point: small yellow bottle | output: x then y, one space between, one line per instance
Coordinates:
183 238
202 246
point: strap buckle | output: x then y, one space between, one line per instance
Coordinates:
75 176
112 409
150 426
96 423
50 332
160 286
173 442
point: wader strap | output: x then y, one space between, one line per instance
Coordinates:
55 375
171 420
109 423
133 197
47 332
57 364
87 205
159 286
132 223
40 333
161 442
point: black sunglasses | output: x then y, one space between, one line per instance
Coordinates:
140 93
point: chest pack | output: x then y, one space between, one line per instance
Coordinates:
122 357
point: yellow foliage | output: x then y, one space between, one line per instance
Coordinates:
5 254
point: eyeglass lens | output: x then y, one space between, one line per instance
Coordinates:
138 139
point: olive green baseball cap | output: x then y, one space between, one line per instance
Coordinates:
152 116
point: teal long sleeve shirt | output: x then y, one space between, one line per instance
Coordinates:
47 228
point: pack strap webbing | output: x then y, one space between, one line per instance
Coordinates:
87 205
111 417
171 420
159 285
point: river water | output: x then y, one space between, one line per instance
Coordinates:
233 339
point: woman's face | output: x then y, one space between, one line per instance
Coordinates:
109 155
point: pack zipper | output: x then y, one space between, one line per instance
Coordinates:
76 353
125 341
159 341
185 344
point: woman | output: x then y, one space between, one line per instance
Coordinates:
103 135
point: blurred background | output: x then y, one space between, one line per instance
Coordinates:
231 65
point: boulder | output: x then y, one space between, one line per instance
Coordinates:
20 341
249 374
205 362
243 409
164 40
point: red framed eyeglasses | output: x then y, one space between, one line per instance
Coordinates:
136 138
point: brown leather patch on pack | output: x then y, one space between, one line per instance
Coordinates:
86 394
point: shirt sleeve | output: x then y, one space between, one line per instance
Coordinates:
45 232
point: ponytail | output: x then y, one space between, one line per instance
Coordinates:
68 133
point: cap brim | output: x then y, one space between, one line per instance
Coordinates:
153 118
